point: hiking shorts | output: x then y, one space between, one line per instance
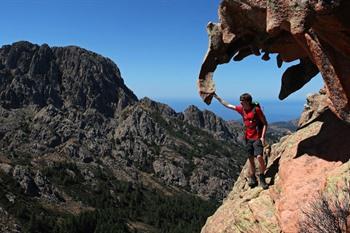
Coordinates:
254 147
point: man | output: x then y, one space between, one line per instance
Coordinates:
254 136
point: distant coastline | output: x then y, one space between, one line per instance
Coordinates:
275 110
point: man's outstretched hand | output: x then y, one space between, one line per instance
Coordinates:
262 141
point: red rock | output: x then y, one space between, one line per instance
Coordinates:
314 32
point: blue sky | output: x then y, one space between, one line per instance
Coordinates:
158 45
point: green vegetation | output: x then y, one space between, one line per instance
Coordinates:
115 203
30 214
99 221
19 157
66 174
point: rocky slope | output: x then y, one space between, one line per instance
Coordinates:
77 145
308 172
193 150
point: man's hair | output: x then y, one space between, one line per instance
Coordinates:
246 97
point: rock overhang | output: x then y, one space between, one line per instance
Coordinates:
317 33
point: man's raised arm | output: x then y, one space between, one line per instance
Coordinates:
223 102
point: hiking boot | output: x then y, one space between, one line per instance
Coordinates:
262 181
252 182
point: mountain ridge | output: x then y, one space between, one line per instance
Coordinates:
77 145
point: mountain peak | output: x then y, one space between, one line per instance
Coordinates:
63 76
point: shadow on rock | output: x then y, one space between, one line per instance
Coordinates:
272 170
332 143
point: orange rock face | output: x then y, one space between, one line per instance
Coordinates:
300 180
315 32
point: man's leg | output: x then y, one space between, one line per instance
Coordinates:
251 166
262 165
258 148
252 182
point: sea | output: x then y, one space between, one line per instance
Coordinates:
275 110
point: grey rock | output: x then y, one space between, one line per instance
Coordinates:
6 168
208 121
213 175
63 77
170 173
10 197
24 178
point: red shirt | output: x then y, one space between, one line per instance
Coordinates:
251 129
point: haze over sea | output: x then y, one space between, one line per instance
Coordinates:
274 110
